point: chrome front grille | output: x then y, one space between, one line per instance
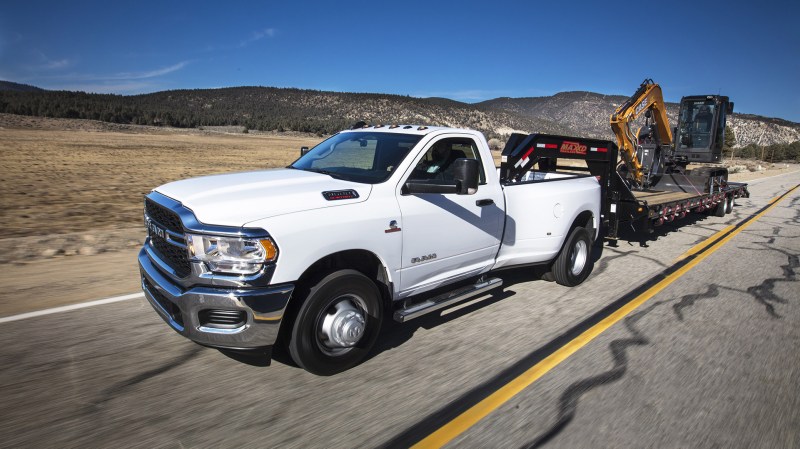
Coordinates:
169 245
175 256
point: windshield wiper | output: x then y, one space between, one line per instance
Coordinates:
323 172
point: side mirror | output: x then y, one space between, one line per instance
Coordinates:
466 174
465 180
303 151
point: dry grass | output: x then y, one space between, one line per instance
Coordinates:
60 181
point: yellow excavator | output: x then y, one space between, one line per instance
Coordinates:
650 153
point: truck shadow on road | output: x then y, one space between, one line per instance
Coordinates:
633 233
395 334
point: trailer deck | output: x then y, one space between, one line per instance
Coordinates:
659 197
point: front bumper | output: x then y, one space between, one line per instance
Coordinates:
260 310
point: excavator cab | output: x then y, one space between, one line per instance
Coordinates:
701 128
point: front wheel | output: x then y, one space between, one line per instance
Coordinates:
574 262
337 324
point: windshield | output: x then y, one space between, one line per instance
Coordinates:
358 156
696 123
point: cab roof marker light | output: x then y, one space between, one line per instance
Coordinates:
359 124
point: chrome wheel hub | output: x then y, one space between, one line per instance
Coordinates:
343 325
580 253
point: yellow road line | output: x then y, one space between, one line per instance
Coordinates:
702 245
707 242
480 410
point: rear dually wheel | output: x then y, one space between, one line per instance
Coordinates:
574 262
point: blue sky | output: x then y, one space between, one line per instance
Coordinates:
467 51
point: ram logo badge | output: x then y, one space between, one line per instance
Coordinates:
155 230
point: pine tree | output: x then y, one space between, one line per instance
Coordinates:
730 141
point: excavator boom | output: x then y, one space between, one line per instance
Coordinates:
647 99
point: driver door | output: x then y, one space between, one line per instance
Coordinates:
447 237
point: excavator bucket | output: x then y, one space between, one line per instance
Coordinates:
701 180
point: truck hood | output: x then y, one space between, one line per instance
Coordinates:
239 198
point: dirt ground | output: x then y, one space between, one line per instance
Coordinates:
72 180
71 202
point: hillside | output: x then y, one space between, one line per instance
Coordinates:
8 85
585 112
284 109
588 114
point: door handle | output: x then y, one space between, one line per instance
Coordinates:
486 202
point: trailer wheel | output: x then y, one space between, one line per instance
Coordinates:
337 324
574 262
719 211
729 204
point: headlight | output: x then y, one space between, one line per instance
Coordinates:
231 254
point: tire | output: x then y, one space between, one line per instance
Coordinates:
337 324
719 211
574 262
729 204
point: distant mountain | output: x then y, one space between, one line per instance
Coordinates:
17 87
585 112
268 108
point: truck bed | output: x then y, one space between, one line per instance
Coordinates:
539 212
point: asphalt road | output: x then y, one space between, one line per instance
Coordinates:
712 360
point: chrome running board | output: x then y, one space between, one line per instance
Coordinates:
446 299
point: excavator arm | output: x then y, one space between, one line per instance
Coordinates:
647 98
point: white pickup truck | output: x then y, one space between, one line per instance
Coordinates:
373 222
